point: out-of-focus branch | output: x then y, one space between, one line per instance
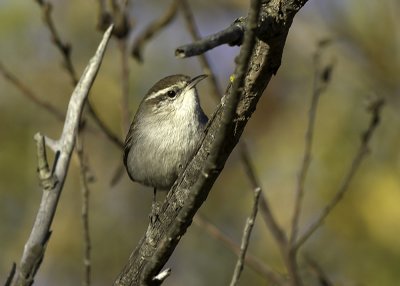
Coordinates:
246 239
233 35
153 29
375 110
251 261
83 175
11 275
104 18
53 180
120 19
322 75
65 50
125 115
322 278
29 93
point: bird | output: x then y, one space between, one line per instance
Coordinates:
165 132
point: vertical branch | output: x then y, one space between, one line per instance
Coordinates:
85 210
320 84
245 239
125 115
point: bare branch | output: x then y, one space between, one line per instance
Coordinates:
375 110
246 239
29 93
85 210
233 35
323 279
65 50
153 29
63 47
11 275
321 81
104 18
53 181
125 115
122 25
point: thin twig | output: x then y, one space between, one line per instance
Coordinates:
375 110
84 210
11 275
65 50
120 19
323 279
246 239
252 261
153 29
63 47
104 18
320 83
53 180
125 115
233 35
30 94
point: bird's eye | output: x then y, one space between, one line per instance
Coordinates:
171 93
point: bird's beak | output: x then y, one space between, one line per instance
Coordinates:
195 81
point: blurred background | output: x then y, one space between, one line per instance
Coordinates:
359 243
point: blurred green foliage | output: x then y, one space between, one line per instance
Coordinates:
358 245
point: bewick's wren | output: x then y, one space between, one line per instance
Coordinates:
165 132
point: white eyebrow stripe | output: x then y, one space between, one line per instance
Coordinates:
162 91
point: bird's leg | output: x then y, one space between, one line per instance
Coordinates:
154 208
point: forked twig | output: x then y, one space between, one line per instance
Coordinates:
375 110
322 75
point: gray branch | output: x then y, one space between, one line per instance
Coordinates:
233 36
53 180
